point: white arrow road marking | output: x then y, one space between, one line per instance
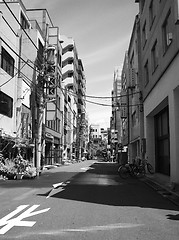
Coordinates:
10 222
56 186
86 168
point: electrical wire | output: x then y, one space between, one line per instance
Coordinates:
119 96
19 55
11 77
19 24
88 96
106 105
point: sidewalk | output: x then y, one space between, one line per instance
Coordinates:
162 185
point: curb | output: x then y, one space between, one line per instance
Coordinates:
162 190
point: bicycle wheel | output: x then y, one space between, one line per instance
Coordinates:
123 172
150 168
139 171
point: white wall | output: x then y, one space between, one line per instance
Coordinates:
165 92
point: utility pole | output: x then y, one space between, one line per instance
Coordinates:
40 122
46 79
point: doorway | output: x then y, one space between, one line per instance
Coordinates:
162 142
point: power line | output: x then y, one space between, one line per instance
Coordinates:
19 55
11 77
106 105
118 96
19 23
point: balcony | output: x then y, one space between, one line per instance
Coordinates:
68 68
68 55
68 81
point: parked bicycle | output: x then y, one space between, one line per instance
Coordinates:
131 169
146 165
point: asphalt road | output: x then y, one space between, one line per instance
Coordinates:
88 201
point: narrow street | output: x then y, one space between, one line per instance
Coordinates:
88 201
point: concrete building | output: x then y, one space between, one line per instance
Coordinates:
82 127
115 124
160 83
132 114
70 85
53 113
94 138
20 42
39 108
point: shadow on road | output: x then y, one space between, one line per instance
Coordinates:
173 217
99 185
102 185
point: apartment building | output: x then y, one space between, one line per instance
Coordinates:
82 133
19 69
159 32
70 83
39 108
131 97
53 114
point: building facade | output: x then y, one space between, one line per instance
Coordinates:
21 59
74 83
159 32
131 97
38 101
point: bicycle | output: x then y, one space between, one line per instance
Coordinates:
131 169
146 165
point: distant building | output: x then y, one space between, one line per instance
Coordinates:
116 123
74 88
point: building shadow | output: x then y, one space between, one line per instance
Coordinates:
102 185
173 217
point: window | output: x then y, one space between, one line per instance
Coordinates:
144 35
6 105
7 62
24 22
134 118
151 13
154 55
166 31
146 73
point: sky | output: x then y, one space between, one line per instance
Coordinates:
101 30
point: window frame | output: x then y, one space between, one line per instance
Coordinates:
154 56
6 105
146 72
166 32
7 62
144 34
